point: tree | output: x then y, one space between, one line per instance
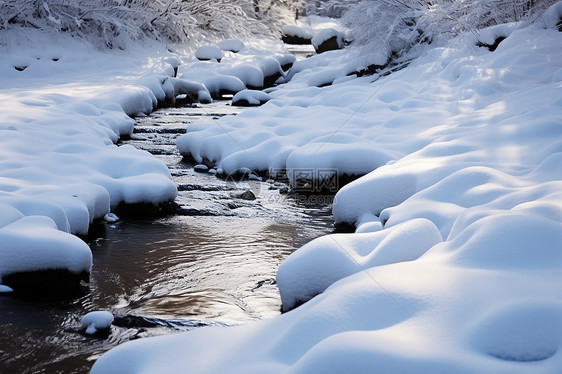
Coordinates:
114 22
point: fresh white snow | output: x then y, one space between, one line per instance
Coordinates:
96 320
59 167
457 260
63 109
208 52
232 45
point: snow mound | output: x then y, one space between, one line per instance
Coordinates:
208 52
327 39
96 320
35 243
525 332
315 266
232 45
250 98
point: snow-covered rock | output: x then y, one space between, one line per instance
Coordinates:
34 243
327 40
293 34
250 98
232 45
208 52
96 321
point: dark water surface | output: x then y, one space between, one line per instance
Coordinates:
214 264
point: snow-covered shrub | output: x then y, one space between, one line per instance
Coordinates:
114 22
392 27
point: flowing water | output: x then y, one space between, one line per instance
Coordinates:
213 263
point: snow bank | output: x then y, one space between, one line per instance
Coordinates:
459 267
35 243
314 267
59 167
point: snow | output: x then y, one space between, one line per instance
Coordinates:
63 114
208 52
456 261
325 35
320 263
35 243
110 218
60 169
251 97
232 45
298 31
96 320
5 289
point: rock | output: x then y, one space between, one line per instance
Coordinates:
492 47
208 52
328 40
250 98
40 282
247 195
201 168
296 35
97 322
110 218
231 45
146 210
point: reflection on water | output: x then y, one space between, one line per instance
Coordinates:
174 273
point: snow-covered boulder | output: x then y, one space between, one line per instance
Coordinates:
328 40
96 321
232 45
208 52
293 34
250 98
35 255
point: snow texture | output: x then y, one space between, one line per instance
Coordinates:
457 261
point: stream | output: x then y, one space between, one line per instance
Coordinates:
213 263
